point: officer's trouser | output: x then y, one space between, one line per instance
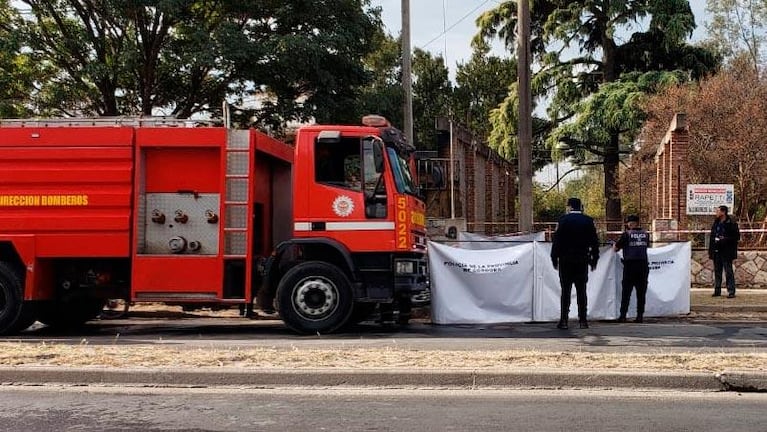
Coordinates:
573 273
635 274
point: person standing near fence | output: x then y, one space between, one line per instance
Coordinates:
723 249
636 269
575 248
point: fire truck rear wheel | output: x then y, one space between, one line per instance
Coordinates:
11 299
315 297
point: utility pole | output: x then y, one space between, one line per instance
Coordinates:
525 128
407 76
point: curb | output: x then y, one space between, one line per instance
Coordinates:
692 381
743 381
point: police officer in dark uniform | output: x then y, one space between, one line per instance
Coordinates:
634 242
575 248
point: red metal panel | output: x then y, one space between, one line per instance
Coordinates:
177 274
173 169
266 144
104 244
67 137
176 159
65 221
303 178
71 185
180 137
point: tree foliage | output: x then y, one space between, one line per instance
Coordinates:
432 95
383 93
18 69
276 61
727 130
739 28
581 59
482 83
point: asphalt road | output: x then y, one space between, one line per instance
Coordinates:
85 409
656 335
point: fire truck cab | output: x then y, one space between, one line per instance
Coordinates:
157 210
359 235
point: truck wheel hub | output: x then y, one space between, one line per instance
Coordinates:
316 297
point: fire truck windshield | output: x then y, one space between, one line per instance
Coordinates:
401 170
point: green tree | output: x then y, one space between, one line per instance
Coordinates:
432 90
383 93
482 84
17 68
595 28
432 93
277 61
548 203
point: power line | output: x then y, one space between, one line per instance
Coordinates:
452 26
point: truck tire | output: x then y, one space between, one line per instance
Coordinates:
70 314
315 297
27 317
11 298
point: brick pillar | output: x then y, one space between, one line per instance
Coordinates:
489 192
502 215
511 187
680 142
469 169
657 210
668 179
672 176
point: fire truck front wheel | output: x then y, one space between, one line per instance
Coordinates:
315 297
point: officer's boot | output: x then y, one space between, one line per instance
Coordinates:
582 321
563 320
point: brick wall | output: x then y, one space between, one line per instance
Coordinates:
672 173
485 189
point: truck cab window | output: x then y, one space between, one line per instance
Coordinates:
338 164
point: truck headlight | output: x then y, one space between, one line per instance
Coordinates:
405 267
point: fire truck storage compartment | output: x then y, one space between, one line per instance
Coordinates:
179 223
65 194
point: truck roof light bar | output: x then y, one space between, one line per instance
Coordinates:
375 120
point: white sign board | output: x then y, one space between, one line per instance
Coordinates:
703 199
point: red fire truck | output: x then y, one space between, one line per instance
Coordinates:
155 210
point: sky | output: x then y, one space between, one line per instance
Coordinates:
446 27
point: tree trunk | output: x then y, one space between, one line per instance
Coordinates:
107 90
612 194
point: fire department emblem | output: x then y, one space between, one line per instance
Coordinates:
343 206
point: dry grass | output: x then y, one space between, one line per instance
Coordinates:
51 355
16 354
